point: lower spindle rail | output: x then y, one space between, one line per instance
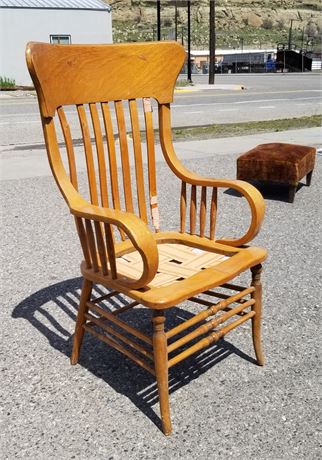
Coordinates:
138 346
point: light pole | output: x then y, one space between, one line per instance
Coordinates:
290 33
159 20
175 21
302 42
212 42
189 43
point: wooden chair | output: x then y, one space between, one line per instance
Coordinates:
119 231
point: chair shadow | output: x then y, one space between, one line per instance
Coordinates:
52 311
270 191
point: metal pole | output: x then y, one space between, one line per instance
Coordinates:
175 21
302 45
159 19
290 35
189 44
212 42
302 60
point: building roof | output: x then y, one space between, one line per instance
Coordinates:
56 4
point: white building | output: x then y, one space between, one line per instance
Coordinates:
50 21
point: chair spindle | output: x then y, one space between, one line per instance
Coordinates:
101 247
100 154
69 146
124 156
91 244
138 159
203 206
88 153
193 206
213 213
147 106
183 206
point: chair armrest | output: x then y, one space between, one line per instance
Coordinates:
252 195
256 203
137 231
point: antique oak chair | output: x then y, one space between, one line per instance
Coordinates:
118 225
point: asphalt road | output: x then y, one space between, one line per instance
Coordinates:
265 97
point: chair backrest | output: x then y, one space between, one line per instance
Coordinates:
100 81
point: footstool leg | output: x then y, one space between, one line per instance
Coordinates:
291 192
308 178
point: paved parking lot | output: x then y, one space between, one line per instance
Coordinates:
223 405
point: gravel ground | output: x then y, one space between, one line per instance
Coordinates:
223 406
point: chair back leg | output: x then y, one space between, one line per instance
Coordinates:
79 330
161 368
257 308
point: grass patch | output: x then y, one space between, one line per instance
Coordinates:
183 83
7 83
250 127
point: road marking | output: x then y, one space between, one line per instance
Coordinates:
36 114
261 100
227 110
255 101
305 105
248 92
267 107
18 122
303 98
13 102
199 111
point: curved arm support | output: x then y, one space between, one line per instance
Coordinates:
138 233
252 195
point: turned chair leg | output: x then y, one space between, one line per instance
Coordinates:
161 368
309 178
79 330
257 308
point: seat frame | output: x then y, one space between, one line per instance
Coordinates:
57 71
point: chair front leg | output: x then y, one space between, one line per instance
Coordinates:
161 368
257 308
80 321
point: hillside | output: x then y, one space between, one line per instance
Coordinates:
247 23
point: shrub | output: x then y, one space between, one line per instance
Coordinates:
267 23
7 82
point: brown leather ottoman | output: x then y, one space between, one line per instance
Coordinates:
283 163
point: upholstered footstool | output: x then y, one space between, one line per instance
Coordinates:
283 163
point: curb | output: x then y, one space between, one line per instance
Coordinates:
189 89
